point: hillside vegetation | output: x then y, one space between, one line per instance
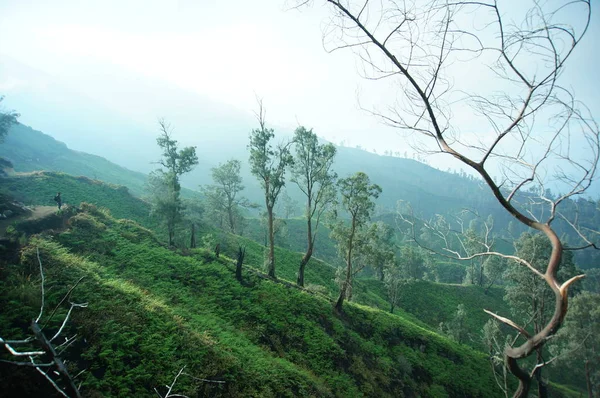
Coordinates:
429 303
121 255
153 311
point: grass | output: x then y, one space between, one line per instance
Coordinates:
130 263
152 311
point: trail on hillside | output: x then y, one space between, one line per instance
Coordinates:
36 212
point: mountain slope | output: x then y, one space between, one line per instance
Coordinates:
31 150
429 190
153 311
425 304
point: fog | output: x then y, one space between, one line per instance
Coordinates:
97 76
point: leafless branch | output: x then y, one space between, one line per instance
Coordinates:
47 348
532 124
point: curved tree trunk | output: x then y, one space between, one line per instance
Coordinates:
307 255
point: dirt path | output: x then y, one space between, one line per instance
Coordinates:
37 212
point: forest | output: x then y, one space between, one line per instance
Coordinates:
273 262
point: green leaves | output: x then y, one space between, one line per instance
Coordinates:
357 196
7 119
269 163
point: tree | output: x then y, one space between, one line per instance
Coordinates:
492 338
7 119
164 184
313 175
394 279
379 247
193 212
580 339
165 203
288 205
357 199
268 164
529 297
456 329
522 123
223 195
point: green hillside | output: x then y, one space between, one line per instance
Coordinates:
125 257
30 150
39 188
153 311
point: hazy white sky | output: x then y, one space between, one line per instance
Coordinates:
226 51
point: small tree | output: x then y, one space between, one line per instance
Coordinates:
312 173
223 197
7 119
394 280
193 212
379 247
412 262
164 183
580 339
456 329
268 164
288 206
357 199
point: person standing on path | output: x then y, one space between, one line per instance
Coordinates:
58 200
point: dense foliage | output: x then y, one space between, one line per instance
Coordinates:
153 311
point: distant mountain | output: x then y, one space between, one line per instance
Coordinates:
430 191
32 150
116 126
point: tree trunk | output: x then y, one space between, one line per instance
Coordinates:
588 379
340 300
392 309
171 229
542 387
240 261
271 260
230 216
193 238
480 274
307 255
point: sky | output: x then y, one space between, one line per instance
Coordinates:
227 52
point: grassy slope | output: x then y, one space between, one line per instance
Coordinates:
153 311
425 304
39 188
31 150
428 303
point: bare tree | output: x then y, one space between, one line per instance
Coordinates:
170 394
521 124
53 367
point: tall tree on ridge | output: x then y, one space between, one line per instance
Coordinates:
268 164
223 195
312 173
357 199
164 183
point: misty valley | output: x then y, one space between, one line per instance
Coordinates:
172 226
